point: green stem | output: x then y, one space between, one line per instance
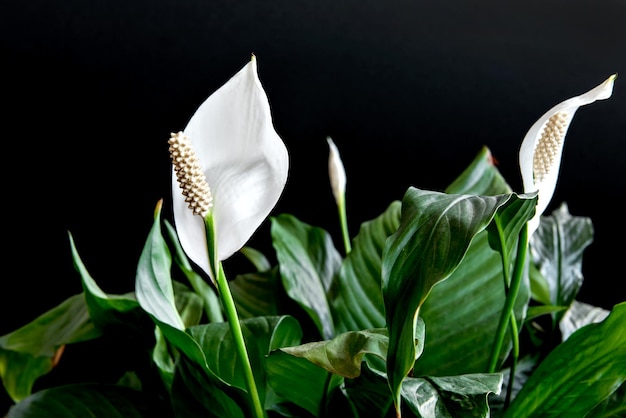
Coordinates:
512 321
515 355
235 329
343 220
507 310
231 316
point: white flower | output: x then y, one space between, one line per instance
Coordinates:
336 172
245 164
541 149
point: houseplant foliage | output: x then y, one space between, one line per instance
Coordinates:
450 303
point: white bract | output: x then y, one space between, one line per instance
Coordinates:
336 172
541 149
244 161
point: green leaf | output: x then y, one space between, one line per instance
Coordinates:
462 313
195 393
153 283
451 396
435 232
480 178
113 312
194 381
188 304
308 263
369 394
506 226
357 301
301 382
260 334
557 248
256 294
256 257
579 373
29 352
215 339
613 406
208 293
90 400
155 293
343 354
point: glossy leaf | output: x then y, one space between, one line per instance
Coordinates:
300 382
369 395
155 293
256 294
259 332
357 299
480 177
557 249
195 394
30 352
579 373
453 396
153 283
208 293
343 354
308 263
90 400
462 313
436 230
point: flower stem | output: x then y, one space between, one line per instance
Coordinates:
231 316
507 310
343 220
235 329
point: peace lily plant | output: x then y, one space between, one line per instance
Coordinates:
450 303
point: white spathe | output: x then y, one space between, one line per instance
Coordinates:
245 162
545 182
336 171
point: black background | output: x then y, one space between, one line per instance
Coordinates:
408 90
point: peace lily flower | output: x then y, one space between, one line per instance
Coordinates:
542 147
242 166
229 170
337 175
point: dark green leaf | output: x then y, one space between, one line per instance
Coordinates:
195 393
208 293
29 352
90 400
557 248
308 263
462 314
357 301
614 406
579 373
436 230
261 335
480 178
453 396
257 258
256 294
112 311
188 304
369 394
301 382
